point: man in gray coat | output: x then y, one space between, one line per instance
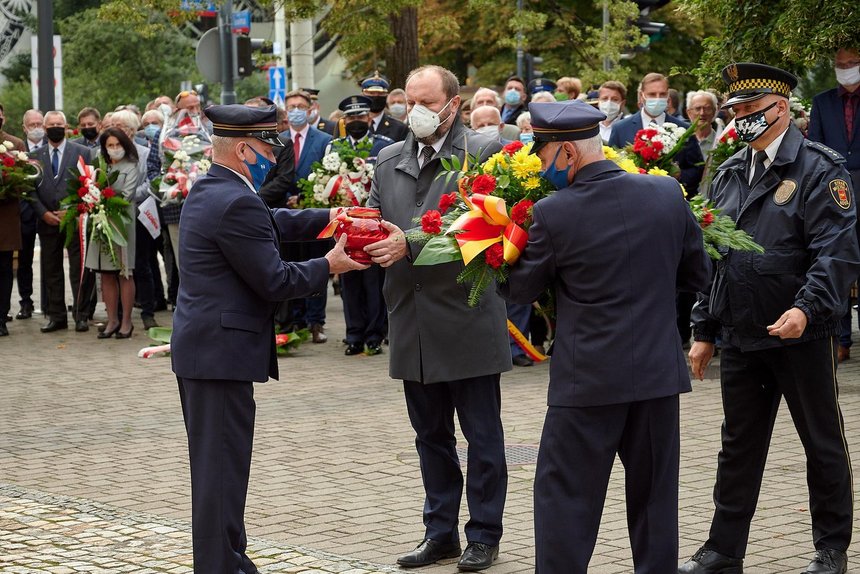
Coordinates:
448 354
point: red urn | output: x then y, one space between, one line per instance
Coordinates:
362 226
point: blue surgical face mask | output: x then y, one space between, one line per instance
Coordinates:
655 106
152 131
259 170
527 138
558 178
297 117
512 97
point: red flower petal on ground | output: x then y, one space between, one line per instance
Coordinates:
513 147
281 339
484 184
522 211
447 201
431 222
108 193
8 161
495 255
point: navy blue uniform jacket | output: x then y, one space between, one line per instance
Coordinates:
232 277
827 125
615 247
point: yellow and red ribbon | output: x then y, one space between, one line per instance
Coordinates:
485 224
524 343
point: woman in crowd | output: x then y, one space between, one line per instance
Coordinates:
121 156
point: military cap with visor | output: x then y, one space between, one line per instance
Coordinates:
240 121
375 83
355 105
563 121
748 81
541 85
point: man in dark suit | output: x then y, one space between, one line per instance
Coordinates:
34 137
376 88
223 333
835 122
58 157
450 356
615 247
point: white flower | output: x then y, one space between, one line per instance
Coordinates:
318 188
22 156
312 176
357 162
331 162
325 179
3 148
343 170
8 145
203 165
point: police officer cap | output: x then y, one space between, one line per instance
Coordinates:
355 105
240 121
541 85
313 93
375 83
563 121
749 81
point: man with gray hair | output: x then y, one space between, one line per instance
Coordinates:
57 158
617 366
702 108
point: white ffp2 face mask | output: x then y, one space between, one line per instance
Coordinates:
849 76
489 131
424 121
610 108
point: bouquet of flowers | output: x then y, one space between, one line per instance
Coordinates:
18 173
341 179
485 223
656 147
286 342
94 210
187 152
727 146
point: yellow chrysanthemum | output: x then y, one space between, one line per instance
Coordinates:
657 171
609 152
495 159
531 183
525 165
628 165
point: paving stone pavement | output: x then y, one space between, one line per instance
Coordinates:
94 474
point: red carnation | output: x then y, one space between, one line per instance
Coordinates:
484 184
108 193
82 179
513 147
8 161
82 208
447 201
82 191
707 218
495 255
431 222
74 132
522 211
731 134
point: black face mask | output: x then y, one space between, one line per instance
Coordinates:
90 133
356 130
56 134
377 103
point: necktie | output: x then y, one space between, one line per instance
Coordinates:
55 161
297 146
426 155
758 166
653 124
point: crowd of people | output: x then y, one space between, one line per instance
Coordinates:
633 285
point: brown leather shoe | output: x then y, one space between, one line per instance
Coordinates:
843 354
318 334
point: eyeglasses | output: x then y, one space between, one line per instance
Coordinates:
298 107
701 109
184 94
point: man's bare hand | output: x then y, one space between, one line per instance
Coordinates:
293 202
790 325
51 218
391 249
700 355
339 261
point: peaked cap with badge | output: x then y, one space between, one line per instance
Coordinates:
241 121
541 85
748 81
375 83
563 121
355 105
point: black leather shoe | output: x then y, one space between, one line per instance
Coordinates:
828 561
4 332
82 326
523 361
373 349
26 311
354 349
8 318
52 326
428 552
477 557
707 561
148 322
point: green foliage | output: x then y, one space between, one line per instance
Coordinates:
481 277
18 67
438 249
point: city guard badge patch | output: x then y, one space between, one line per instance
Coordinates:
784 192
841 194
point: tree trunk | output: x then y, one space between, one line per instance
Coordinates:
403 55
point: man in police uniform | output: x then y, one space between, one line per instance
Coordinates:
777 314
223 337
363 305
615 273
376 88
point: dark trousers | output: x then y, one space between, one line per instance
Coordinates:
431 408
25 261
363 305
5 284
753 384
54 276
143 283
520 316
577 451
219 420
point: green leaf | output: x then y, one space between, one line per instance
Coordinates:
503 182
440 249
160 334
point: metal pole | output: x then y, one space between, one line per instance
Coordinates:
46 55
519 43
228 92
607 63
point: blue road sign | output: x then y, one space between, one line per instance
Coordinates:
277 83
241 22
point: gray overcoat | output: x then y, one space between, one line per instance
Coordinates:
434 335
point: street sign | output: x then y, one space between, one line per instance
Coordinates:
208 55
241 22
277 84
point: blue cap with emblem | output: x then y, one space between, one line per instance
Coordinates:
563 121
240 121
355 105
748 81
541 85
375 83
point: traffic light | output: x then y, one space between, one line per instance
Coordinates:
654 30
245 49
531 67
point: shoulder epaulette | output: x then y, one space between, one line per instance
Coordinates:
383 138
832 155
